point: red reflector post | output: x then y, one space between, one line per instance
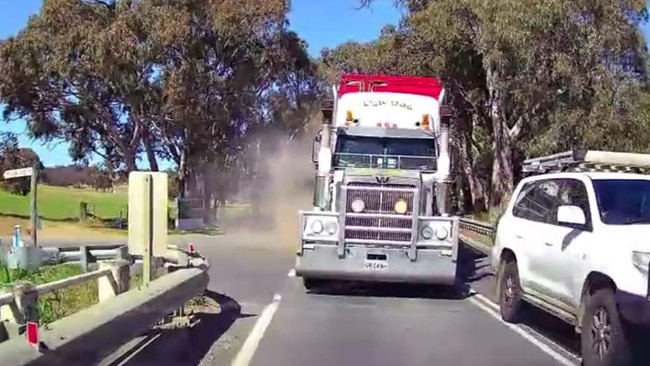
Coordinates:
32 333
191 249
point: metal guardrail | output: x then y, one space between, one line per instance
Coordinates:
46 288
478 227
85 256
90 335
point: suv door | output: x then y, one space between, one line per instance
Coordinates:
533 216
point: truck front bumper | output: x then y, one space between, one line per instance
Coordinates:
377 265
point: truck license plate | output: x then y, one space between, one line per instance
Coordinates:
374 265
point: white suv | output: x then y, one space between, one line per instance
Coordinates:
577 245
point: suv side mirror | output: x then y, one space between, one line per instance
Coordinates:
315 148
571 215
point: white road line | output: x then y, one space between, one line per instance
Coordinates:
523 333
484 299
292 273
247 351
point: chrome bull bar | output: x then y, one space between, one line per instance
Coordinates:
411 229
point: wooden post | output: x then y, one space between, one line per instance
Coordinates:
34 204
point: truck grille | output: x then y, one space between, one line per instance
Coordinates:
377 222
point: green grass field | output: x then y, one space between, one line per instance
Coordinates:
62 203
59 210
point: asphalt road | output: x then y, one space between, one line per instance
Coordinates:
348 324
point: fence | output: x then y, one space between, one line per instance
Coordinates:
478 227
92 334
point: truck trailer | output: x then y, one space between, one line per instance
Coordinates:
381 194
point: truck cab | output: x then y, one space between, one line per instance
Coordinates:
381 208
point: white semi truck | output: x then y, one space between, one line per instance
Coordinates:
381 209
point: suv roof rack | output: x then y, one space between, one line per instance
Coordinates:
588 161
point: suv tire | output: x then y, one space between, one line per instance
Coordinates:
510 292
603 340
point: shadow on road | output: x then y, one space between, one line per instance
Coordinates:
189 346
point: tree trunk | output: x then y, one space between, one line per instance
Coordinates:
502 166
130 161
151 154
474 192
182 175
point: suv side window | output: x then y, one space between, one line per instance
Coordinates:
574 193
538 201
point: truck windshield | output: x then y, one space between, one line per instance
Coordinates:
623 201
385 153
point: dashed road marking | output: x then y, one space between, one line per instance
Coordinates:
491 308
247 351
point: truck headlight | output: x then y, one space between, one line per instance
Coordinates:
357 205
641 260
401 207
317 226
434 230
320 227
426 232
331 227
442 233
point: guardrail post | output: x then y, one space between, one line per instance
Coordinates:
115 283
25 302
84 257
10 314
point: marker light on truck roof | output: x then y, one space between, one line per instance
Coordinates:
425 122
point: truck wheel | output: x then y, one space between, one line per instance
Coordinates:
311 284
510 292
603 339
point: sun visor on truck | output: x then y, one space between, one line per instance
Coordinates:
404 133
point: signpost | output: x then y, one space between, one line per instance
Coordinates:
33 173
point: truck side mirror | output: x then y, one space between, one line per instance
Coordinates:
315 147
327 109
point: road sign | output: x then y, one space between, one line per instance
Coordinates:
18 173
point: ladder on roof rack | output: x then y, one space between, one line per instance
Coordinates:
588 161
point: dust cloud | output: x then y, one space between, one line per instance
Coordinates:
290 189
288 178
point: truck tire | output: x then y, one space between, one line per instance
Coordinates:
510 292
603 339
311 284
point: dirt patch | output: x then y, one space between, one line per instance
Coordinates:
59 230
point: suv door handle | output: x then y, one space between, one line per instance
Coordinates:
519 236
548 244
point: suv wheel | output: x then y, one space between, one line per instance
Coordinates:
603 339
510 292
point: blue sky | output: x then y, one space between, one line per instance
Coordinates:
323 23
